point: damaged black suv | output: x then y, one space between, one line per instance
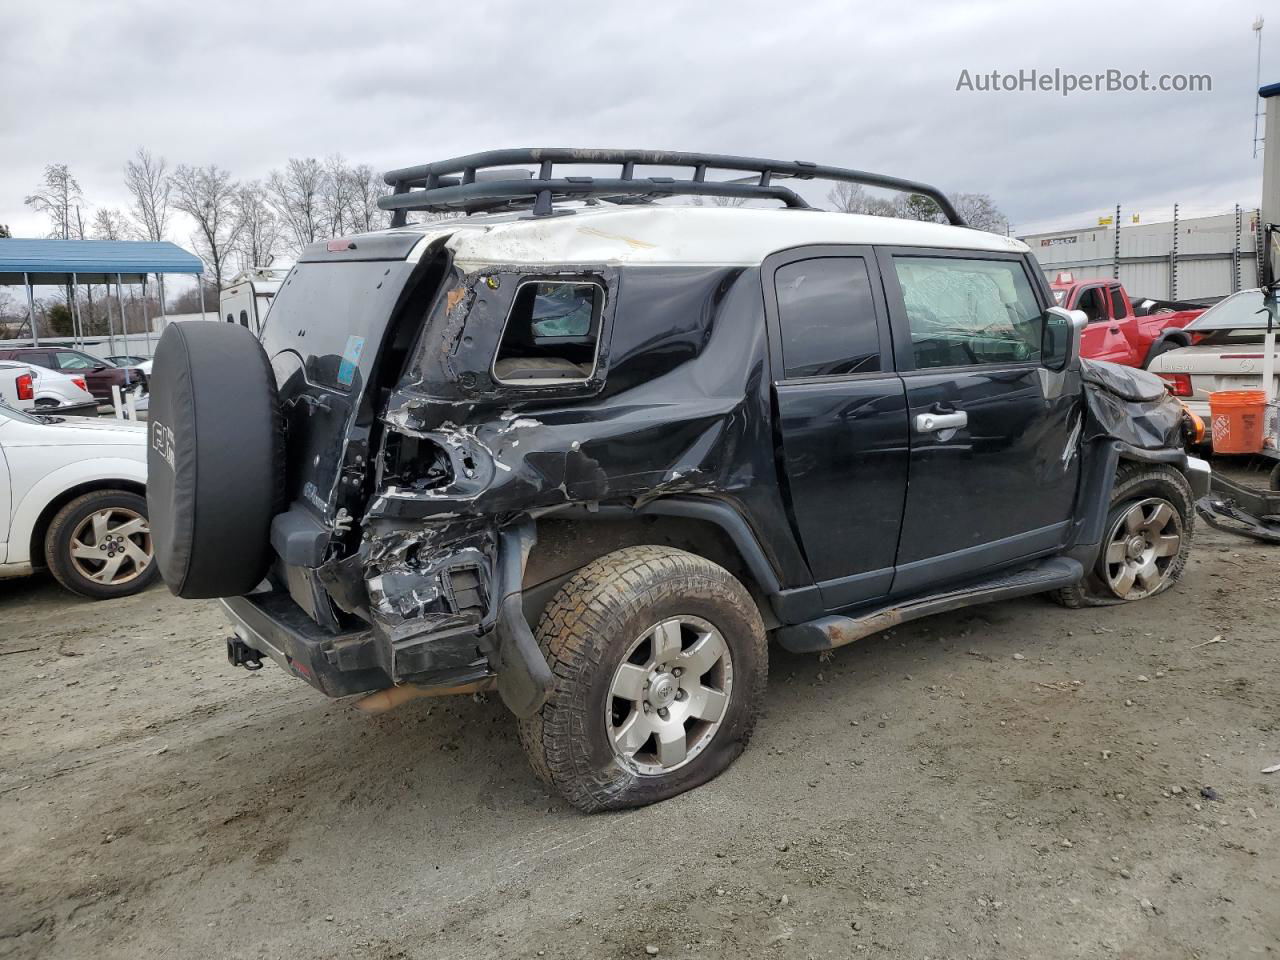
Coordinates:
592 448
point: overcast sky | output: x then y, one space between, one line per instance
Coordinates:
248 84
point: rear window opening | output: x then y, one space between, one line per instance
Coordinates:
551 334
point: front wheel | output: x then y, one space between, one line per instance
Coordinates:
660 664
1145 541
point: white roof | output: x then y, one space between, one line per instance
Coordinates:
686 235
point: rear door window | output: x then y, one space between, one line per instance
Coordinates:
828 319
551 333
966 312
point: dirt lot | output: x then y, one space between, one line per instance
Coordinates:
1013 781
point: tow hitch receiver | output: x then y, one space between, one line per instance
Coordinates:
240 654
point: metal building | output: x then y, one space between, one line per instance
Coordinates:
1195 259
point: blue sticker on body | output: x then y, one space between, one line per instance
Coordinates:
350 360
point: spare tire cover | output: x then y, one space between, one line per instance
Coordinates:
214 470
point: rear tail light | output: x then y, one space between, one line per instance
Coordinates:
1179 383
79 382
26 387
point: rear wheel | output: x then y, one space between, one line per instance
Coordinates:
1164 346
660 663
99 545
1145 541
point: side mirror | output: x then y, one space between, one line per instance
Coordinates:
1060 341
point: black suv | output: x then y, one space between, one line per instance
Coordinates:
592 448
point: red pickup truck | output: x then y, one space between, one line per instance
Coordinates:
1116 331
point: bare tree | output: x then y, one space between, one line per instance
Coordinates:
296 194
57 198
853 198
336 197
146 178
980 212
260 230
109 224
208 196
366 188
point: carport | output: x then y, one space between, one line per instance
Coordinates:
66 263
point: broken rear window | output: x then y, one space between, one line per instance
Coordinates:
551 333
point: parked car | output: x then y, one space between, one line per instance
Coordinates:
17 386
1227 354
99 375
594 456
73 499
55 390
1116 331
133 360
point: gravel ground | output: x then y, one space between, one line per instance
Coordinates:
1015 780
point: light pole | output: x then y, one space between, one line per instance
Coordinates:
1257 84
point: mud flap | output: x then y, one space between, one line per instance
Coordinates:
524 678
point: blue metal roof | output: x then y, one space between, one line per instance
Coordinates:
1270 90
92 261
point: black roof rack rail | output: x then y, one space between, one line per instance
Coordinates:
471 184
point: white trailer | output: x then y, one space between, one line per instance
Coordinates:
247 298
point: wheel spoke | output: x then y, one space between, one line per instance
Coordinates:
666 641
629 682
1124 582
108 573
1168 546
1160 517
707 704
1116 552
100 521
632 734
671 744
135 553
1134 521
86 552
131 528
1149 575
702 656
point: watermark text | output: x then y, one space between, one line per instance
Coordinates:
1065 83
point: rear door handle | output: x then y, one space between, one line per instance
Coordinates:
934 422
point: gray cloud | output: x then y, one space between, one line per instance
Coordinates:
247 85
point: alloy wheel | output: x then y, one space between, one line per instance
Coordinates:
1141 548
111 546
669 695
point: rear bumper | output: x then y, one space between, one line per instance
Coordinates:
343 664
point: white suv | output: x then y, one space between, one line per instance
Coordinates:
73 499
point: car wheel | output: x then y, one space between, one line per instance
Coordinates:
1146 539
99 545
1273 480
660 662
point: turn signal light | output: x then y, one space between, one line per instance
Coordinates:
1179 383
26 388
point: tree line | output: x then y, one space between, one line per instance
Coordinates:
978 209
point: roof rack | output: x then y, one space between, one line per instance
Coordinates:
470 184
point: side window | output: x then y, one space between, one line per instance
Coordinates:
230 318
1091 303
66 360
965 312
244 318
828 317
1117 304
551 333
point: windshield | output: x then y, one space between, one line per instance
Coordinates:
1240 311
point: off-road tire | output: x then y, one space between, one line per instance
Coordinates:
57 545
1136 481
584 632
1164 346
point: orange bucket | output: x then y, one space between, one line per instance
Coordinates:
1237 420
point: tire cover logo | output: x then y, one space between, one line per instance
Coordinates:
162 442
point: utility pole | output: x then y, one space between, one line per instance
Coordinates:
1257 84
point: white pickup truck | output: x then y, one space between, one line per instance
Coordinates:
17 387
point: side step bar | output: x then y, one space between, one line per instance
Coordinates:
826 633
